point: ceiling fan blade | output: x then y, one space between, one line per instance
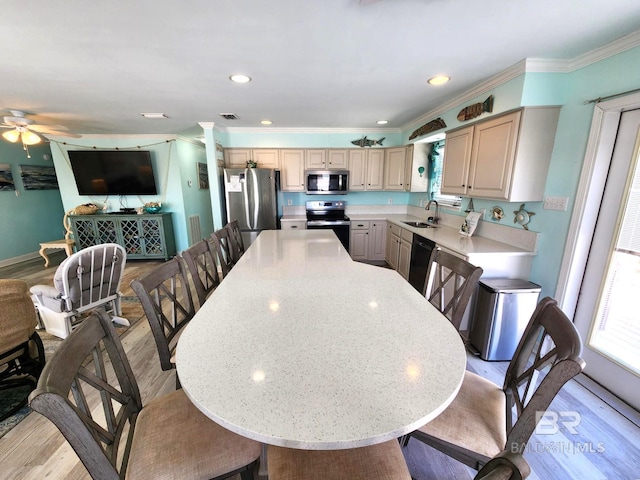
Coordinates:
46 128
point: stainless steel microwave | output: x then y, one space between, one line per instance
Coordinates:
326 182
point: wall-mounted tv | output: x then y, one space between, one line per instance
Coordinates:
113 172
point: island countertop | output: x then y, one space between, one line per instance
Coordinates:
301 347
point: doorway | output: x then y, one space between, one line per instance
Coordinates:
602 274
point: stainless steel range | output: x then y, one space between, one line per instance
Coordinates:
329 215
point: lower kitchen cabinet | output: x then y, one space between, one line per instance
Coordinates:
368 240
142 236
398 249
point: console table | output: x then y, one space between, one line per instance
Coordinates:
145 236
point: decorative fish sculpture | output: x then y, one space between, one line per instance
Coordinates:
432 126
365 142
475 110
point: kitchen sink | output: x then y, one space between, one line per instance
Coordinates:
420 224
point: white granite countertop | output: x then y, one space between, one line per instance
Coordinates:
301 347
450 237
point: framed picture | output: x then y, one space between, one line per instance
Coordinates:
36 177
6 178
203 176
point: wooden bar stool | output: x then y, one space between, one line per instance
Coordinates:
66 244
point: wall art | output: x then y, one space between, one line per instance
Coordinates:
36 177
6 178
203 176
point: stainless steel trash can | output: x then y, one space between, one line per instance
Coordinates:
502 311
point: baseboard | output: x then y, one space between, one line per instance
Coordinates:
610 399
20 259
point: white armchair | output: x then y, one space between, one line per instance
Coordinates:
87 279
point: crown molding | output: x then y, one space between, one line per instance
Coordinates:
484 87
533 65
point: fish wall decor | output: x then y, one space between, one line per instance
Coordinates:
475 110
366 142
432 126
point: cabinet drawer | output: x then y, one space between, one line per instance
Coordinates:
293 224
360 225
395 229
406 235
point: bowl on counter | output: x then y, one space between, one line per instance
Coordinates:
152 209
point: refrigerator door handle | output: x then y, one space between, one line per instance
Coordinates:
256 198
246 199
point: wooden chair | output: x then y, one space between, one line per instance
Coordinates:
21 351
505 466
383 461
201 262
237 243
222 243
88 279
484 419
67 243
165 296
449 284
89 392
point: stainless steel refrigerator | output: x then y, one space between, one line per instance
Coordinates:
251 198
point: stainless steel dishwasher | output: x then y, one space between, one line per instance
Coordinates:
421 250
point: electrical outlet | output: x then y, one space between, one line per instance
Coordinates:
390 201
289 202
556 203
483 212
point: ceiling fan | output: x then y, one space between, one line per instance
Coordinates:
26 130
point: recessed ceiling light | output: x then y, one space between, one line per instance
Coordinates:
382 122
438 80
266 122
154 115
240 78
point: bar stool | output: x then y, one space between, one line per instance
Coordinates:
66 244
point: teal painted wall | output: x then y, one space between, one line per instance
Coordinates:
33 216
174 162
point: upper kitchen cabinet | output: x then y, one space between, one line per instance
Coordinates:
292 166
326 159
505 157
315 159
394 168
366 169
416 177
264 157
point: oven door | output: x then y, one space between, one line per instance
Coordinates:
341 231
326 182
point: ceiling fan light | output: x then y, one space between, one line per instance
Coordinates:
30 138
12 136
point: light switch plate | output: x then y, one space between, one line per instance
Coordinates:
556 203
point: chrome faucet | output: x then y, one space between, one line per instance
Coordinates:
436 218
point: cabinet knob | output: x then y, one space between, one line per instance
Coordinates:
294 226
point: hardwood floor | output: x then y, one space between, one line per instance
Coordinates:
606 445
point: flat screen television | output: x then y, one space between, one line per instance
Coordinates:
113 172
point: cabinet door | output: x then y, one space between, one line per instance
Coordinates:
315 159
394 169
357 169
84 232
237 157
107 230
292 170
132 236
375 169
393 249
404 259
266 157
152 231
456 161
492 156
359 244
337 159
377 240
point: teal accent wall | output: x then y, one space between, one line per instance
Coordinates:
32 216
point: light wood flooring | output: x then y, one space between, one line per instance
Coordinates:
606 445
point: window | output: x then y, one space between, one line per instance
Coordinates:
436 157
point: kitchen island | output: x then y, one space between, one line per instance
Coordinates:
301 347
